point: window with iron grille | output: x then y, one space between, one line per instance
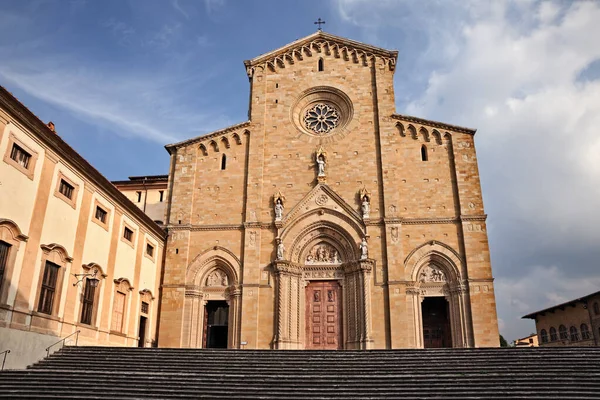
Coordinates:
144 307
87 306
585 332
4 249
128 234
48 288
101 214
118 312
149 249
544 336
573 334
22 157
66 189
562 332
553 335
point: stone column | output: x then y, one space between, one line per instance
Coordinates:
288 277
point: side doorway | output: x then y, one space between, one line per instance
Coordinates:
216 326
436 323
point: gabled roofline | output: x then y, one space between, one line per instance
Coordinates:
582 299
56 144
325 36
436 124
206 136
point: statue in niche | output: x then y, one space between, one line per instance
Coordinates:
216 278
364 249
431 274
280 249
323 253
278 210
321 164
366 206
321 159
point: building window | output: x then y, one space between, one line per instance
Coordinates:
139 196
20 156
223 162
66 189
161 193
144 307
118 312
101 214
585 333
553 336
424 153
562 332
321 67
149 250
574 334
128 234
4 249
87 306
596 309
544 336
48 288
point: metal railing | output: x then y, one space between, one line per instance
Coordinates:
76 333
5 352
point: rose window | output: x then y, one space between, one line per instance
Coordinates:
322 118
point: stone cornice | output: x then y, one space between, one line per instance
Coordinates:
318 42
482 217
434 124
211 135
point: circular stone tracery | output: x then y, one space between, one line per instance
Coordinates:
321 118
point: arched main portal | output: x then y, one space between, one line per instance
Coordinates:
323 288
212 301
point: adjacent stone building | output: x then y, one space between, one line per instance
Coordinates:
574 323
327 220
148 193
75 253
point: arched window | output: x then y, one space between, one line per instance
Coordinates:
544 336
562 332
574 334
424 153
596 309
553 336
321 65
223 162
585 333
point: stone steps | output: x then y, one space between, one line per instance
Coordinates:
130 373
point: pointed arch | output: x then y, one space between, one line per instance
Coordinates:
425 133
424 155
203 150
223 162
214 145
225 142
413 132
437 253
208 260
320 66
400 128
437 136
237 139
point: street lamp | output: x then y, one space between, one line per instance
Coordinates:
93 281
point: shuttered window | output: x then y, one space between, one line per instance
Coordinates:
4 249
87 306
118 312
48 288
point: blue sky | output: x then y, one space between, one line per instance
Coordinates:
120 79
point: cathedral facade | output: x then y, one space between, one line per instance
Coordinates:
327 220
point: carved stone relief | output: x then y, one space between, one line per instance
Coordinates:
323 253
431 273
217 278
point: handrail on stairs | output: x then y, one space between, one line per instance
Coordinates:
76 333
5 352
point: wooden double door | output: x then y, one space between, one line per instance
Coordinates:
324 315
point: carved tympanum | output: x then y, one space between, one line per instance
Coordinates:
217 278
323 253
432 274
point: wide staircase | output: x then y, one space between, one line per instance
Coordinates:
128 373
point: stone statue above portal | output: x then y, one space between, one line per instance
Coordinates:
321 160
364 249
278 200
365 198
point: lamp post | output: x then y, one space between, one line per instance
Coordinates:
92 280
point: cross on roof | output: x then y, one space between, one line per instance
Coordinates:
319 22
